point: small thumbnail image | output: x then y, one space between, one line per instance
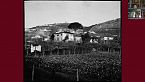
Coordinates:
136 9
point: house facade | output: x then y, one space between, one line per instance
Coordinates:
63 36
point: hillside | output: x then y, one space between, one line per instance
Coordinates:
53 27
111 27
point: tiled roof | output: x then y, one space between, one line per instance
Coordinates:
63 32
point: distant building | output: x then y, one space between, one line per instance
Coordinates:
94 40
63 36
107 39
77 38
37 36
47 38
66 30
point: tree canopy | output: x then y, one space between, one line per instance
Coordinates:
75 26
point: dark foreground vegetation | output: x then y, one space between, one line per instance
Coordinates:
95 66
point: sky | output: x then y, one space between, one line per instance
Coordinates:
85 12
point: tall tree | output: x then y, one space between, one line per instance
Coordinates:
86 37
52 37
75 26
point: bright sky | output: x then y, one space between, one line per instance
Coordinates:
85 12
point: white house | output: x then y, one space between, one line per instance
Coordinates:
36 36
47 38
93 41
63 36
108 38
78 39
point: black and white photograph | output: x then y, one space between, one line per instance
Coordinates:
72 41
